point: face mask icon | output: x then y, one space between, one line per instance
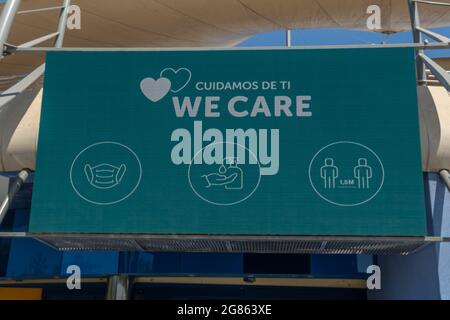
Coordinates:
104 176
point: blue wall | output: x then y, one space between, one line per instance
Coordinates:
426 274
25 258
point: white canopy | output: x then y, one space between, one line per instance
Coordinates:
200 23
194 23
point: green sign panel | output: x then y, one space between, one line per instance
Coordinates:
284 142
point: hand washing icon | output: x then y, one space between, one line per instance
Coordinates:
231 177
104 176
228 180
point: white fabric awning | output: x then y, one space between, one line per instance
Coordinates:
201 23
197 23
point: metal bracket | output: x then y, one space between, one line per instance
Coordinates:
417 37
118 287
14 187
437 70
445 176
6 20
8 49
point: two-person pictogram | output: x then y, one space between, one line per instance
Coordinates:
362 173
329 173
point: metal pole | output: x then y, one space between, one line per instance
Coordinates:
62 24
118 288
6 20
13 189
445 176
288 38
417 36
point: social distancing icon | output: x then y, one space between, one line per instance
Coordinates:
346 173
329 173
363 174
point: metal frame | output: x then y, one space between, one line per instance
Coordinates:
423 61
445 176
14 187
424 46
417 37
434 3
6 21
10 10
306 244
8 14
288 38
62 24
10 94
118 288
238 243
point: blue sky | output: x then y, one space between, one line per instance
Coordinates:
338 37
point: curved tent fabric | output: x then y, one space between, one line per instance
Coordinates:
201 23
198 23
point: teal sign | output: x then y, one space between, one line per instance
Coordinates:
283 142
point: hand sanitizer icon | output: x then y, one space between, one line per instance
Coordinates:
233 168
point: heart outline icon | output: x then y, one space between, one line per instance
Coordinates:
175 72
155 90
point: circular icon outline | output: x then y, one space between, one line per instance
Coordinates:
111 202
218 203
342 204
